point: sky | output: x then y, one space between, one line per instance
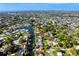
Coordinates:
38 6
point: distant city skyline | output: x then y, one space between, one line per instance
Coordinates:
38 6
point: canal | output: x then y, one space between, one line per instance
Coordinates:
31 40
